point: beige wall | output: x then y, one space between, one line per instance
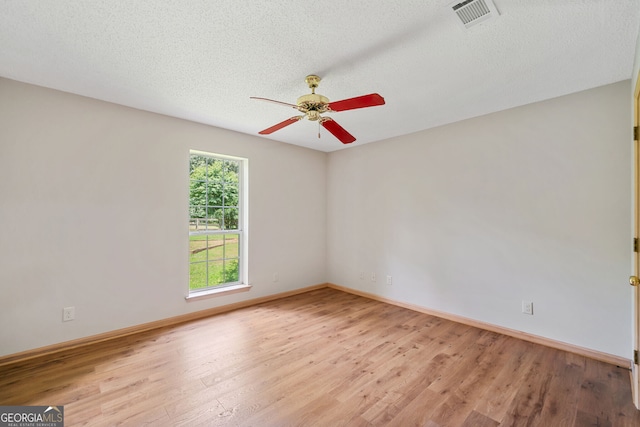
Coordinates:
93 214
472 218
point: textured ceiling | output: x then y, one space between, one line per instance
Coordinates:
202 60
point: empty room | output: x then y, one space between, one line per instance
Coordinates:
284 213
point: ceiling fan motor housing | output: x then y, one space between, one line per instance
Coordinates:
313 104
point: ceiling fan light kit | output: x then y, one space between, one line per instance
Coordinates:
313 105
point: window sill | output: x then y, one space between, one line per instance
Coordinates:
227 290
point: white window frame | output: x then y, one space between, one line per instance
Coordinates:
242 231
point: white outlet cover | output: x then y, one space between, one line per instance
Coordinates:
68 314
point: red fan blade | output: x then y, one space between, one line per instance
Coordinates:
337 131
280 125
363 101
286 104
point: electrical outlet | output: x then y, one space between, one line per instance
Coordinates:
527 307
68 314
275 277
373 277
362 275
389 282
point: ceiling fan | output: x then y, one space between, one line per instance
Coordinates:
313 104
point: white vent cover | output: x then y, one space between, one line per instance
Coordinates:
472 12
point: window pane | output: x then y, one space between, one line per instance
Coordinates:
216 272
197 248
231 170
215 170
196 211
198 167
231 182
215 247
215 193
197 275
231 245
197 224
214 217
197 218
230 219
231 271
230 194
197 192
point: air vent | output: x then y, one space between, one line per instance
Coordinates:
472 12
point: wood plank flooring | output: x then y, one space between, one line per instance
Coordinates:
323 358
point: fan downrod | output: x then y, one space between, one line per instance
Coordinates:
312 80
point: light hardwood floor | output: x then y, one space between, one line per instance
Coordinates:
323 358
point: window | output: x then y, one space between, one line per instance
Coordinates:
216 222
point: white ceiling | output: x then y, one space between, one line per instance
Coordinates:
202 60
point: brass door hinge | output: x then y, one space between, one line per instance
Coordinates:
635 357
635 244
635 133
